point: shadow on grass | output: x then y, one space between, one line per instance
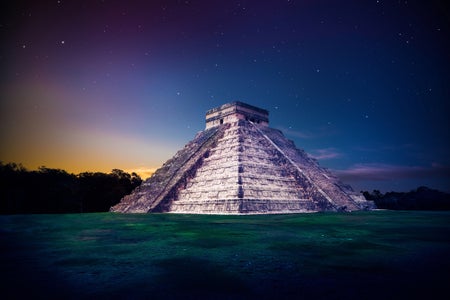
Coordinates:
198 278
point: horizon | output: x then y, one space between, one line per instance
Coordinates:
361 87
139 171
145 173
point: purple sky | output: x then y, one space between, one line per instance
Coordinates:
363 86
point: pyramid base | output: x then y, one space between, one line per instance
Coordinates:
243 206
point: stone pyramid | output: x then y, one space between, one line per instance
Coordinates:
239 165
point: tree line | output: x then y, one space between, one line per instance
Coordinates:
49 190
422 198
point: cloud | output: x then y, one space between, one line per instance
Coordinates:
295 133
385 172
327 153
401 147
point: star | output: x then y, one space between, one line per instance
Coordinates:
266 56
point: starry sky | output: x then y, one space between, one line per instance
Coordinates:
362 86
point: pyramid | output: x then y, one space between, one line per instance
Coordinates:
239 165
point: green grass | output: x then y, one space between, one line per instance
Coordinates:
332 255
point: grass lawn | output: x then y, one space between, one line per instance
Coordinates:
362 255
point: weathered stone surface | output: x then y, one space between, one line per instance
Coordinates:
241 167
153 194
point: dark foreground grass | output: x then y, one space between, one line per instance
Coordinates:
364 255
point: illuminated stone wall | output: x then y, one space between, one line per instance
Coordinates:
241 166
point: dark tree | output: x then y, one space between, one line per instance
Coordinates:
56 191
422 198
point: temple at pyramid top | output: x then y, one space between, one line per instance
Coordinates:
234 111
239 165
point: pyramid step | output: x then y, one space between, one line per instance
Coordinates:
238 165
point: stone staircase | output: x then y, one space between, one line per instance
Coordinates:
241 167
